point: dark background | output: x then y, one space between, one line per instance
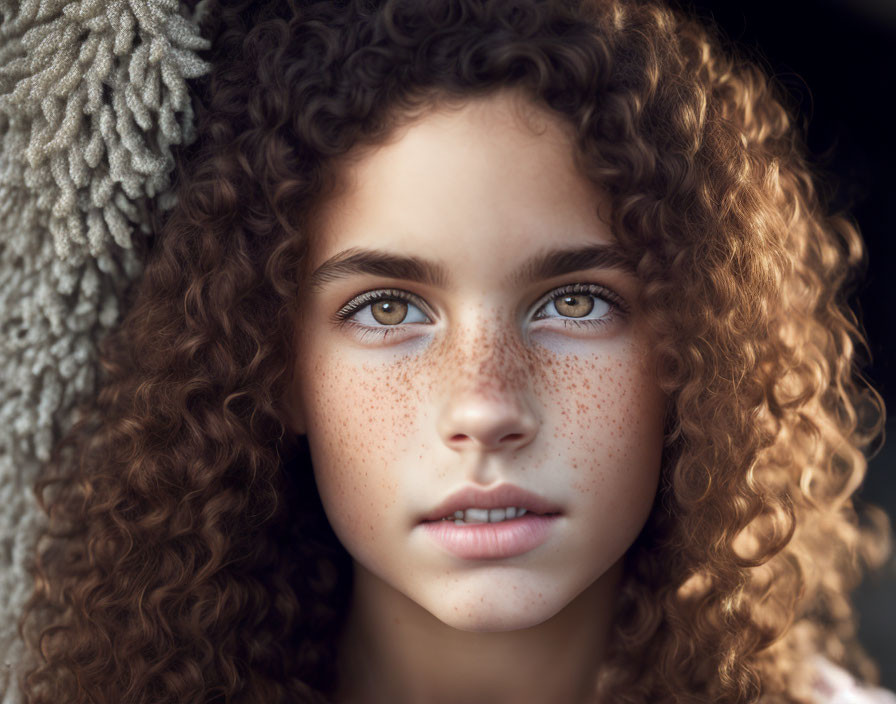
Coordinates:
837 61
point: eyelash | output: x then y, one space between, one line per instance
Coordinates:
344 315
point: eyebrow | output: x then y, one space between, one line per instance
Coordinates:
545 265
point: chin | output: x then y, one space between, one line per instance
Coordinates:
478 613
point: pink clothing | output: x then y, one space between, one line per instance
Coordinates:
834 685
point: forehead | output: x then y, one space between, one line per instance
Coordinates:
485 177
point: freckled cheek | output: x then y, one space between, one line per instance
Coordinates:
606 417
358 421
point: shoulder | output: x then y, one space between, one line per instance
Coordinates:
834 685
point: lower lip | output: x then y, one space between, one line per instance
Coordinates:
491 541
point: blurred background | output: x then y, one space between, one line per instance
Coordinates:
837 61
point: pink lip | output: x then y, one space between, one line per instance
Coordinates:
489 541
499 497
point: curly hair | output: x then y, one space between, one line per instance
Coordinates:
187 556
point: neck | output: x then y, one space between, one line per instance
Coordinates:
395 651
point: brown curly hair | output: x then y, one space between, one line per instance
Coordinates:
187 557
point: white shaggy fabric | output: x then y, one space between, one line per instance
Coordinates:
834 685
93 94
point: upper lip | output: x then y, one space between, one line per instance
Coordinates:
499 497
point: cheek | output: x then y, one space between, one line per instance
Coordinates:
358 417
606 417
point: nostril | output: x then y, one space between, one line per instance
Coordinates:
510 438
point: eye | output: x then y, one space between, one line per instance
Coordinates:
581 305
375 312
384 312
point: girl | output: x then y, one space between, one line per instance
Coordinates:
494 352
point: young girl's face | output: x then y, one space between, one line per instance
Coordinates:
452 352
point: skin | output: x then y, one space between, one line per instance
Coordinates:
470 388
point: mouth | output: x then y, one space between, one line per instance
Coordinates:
475 516
505 502
491 540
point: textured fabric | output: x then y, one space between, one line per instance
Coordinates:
92 96
834 685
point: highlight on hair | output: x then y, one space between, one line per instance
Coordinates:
187 557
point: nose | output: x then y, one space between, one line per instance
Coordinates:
486 406
473 422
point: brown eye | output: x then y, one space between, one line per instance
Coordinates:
574 306
383 309
581 306
389 311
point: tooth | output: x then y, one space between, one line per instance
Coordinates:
476 515
483 515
